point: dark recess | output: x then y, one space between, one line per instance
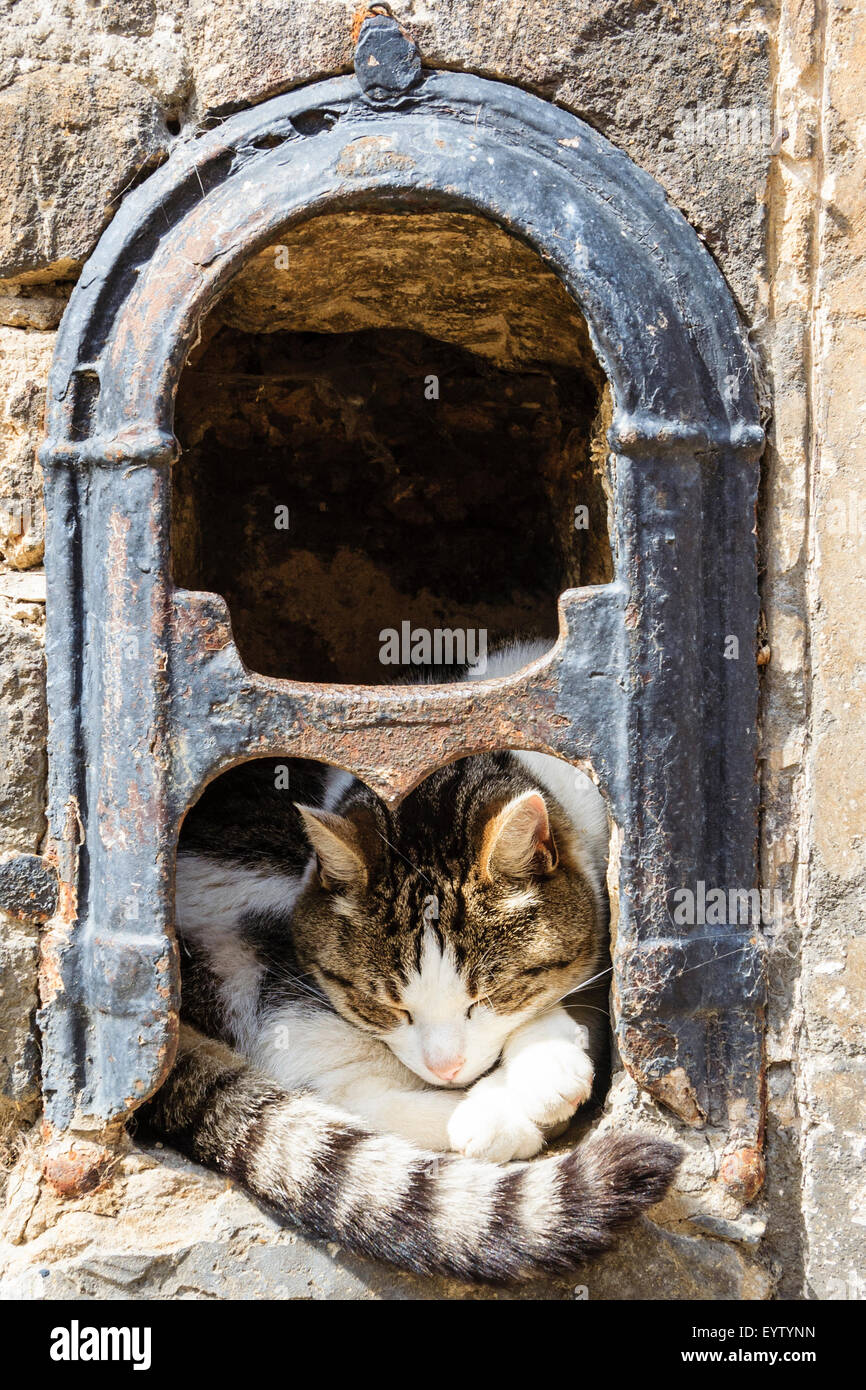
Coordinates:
451 512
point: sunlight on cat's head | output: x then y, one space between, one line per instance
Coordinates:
445 924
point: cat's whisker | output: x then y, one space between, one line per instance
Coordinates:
294 985
484 958
299 983
403 857
586 983
701 963
283 973
688 970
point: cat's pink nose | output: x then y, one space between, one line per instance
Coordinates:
447 1070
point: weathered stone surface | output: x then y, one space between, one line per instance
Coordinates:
23 724
455 277
835 990
32 311
28 887
782 331
79 139
139 38
834 1193
22 795
179 1232
658 1265
831 1059
683 89
23 587
630 74
19 1055
25 358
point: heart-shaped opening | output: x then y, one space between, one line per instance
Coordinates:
369 952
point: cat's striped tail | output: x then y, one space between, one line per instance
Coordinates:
376 1194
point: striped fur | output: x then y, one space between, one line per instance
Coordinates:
377 1195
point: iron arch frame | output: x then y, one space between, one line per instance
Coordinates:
149 698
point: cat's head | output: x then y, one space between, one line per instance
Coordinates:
445 924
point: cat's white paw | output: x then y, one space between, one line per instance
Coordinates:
549 1079
490 1124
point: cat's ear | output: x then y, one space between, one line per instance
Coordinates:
338 848
518 842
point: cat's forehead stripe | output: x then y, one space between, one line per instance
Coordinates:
437 978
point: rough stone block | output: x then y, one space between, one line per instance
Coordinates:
834 1196
23 727
19 1054
80 138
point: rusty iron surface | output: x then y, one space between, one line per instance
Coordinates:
72 1166
149 698
743 1172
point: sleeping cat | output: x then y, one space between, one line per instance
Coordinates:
365 988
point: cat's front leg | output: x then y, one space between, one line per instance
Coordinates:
422 1117
548 1069
491 1123
545 1074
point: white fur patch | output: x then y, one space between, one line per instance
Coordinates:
436 991
337 783
464 1198
442 1029
491 1124
211 896
519 900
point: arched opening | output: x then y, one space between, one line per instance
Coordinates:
149 697
391 424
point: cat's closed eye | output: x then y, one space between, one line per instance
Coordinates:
532 970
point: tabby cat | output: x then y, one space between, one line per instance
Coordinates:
373 1020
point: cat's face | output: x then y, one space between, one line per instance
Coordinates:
443 926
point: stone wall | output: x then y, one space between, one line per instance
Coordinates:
749 116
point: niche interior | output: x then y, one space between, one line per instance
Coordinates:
389 419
